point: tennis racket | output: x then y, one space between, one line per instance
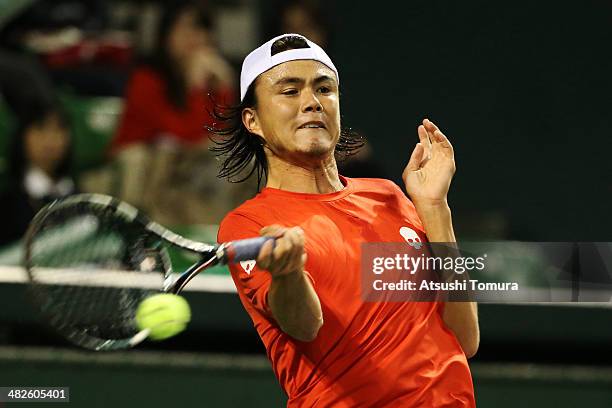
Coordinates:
91 259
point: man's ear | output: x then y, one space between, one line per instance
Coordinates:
250 120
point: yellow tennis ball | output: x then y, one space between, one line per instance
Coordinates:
164 314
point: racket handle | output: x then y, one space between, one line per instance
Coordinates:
245 249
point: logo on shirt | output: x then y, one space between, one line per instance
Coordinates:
411 237
248 266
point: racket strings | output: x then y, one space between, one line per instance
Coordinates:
88 265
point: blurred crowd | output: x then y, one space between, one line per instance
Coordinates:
167 66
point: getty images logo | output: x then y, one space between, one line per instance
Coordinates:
411 237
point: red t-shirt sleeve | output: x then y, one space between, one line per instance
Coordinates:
251 282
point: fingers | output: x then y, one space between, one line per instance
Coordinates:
423 136
265 257
281 254
287 255
274 230
425 141
429 125
288 252
429 129
416 158
436 134
296 250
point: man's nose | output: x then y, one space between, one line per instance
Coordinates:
311 102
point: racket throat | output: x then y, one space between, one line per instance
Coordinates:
177 286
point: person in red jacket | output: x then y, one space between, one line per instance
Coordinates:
162 141
328 346
168 95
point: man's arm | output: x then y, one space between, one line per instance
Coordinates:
427 178
460 317
292 298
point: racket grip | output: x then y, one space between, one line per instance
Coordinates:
246 249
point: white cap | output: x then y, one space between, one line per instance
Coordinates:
261 59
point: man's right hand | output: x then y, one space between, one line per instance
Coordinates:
284 256
292 298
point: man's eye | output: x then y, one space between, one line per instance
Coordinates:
289 92
324 89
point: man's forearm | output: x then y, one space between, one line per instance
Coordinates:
460 317
296 306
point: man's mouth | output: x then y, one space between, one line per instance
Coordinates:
313 125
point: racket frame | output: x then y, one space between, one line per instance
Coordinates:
210 255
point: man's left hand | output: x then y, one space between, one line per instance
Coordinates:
431 167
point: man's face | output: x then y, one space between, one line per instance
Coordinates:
298 112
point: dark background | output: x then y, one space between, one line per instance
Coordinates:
522 89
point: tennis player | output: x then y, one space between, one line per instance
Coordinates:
327 346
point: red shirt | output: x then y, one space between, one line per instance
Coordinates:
366 354
149 114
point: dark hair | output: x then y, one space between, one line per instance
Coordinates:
36 114
161 61
242 151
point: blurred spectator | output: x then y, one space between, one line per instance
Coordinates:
167 96
17 70
162 142
305 17
74 40
50 15
39 167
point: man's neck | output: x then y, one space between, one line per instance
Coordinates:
320 177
